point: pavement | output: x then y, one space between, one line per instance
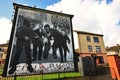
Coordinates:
100 77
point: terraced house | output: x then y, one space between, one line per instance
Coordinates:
3 52
113 50
92 44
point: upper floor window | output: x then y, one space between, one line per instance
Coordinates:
88 38
98 48
1 55
1 49
89 48
96 40
117 51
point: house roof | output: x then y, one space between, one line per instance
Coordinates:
83 32
4 45
38 9
113 48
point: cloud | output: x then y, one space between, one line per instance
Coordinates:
95 16
5 29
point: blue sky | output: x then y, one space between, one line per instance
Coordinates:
6 6
97 16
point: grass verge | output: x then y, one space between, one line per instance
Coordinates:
54 76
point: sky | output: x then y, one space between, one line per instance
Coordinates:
96 16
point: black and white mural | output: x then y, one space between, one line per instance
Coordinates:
42 42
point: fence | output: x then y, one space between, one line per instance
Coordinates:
91 69
52 76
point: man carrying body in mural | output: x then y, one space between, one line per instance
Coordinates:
57 37
38 41
55 34
64 40
24 35
60 41
46 41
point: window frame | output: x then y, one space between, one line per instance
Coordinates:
1 55
96 39
88 38
98 49
90 48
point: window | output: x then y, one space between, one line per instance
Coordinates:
88 38
98 48
99 59
96 39
89 48
117 51
1 55
1 49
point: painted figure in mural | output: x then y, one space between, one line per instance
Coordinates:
24 35
64 40
60 41
56 37
56 34
38 41
46 41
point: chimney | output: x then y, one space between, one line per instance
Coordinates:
117 44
